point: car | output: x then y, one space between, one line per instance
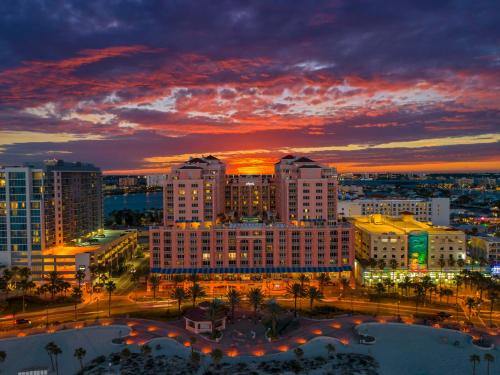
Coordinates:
22 321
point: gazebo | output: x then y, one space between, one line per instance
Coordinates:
197 321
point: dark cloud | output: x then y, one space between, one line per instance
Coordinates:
159 78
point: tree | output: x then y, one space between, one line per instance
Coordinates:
180 295
470 303
393 263
447 292
216 356
214 312
234 299
145 350
493 296
459 280
296 290
474 358
323 278
274 310
419 294
299 353
381 264
110 287
488 358
303 279
80 354
405 284
379 290
460 263
79 277
54 283
24 284
49 349
53 350
256 297
154 280
77 298
330 348
196 291
314 295
451 262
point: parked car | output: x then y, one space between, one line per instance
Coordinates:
22 321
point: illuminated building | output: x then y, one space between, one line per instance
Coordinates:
108 248
415 246
46 205
305 190
250 195
434 210
194 191
307 239
485 247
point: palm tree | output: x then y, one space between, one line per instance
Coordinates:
419 293
405 284
77 297
460 263
274 310
299 353
216 356
330 348
49 349
3 356
474 358
79 277
323 278
447 292
180 295
154 280
488 358
196 291
79 354
54 352
314 295
493 296
234 299
297 291
256 297
379 290
470 303
427 284
54 282
24 284
451 262
459 280
214 312
110 287
381 264
192 341
393 263
303 279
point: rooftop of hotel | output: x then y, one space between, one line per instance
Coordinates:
87 247
399 225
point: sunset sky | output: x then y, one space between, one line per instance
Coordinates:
135 86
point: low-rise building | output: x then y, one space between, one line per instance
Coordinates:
405 244
108 247
485 247
434 210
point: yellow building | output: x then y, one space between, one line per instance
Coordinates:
414 245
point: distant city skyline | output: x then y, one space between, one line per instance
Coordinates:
136 87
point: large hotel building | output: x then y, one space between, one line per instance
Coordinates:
227 226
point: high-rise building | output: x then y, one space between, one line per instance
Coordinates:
274 225
305 190
46 205
194 191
